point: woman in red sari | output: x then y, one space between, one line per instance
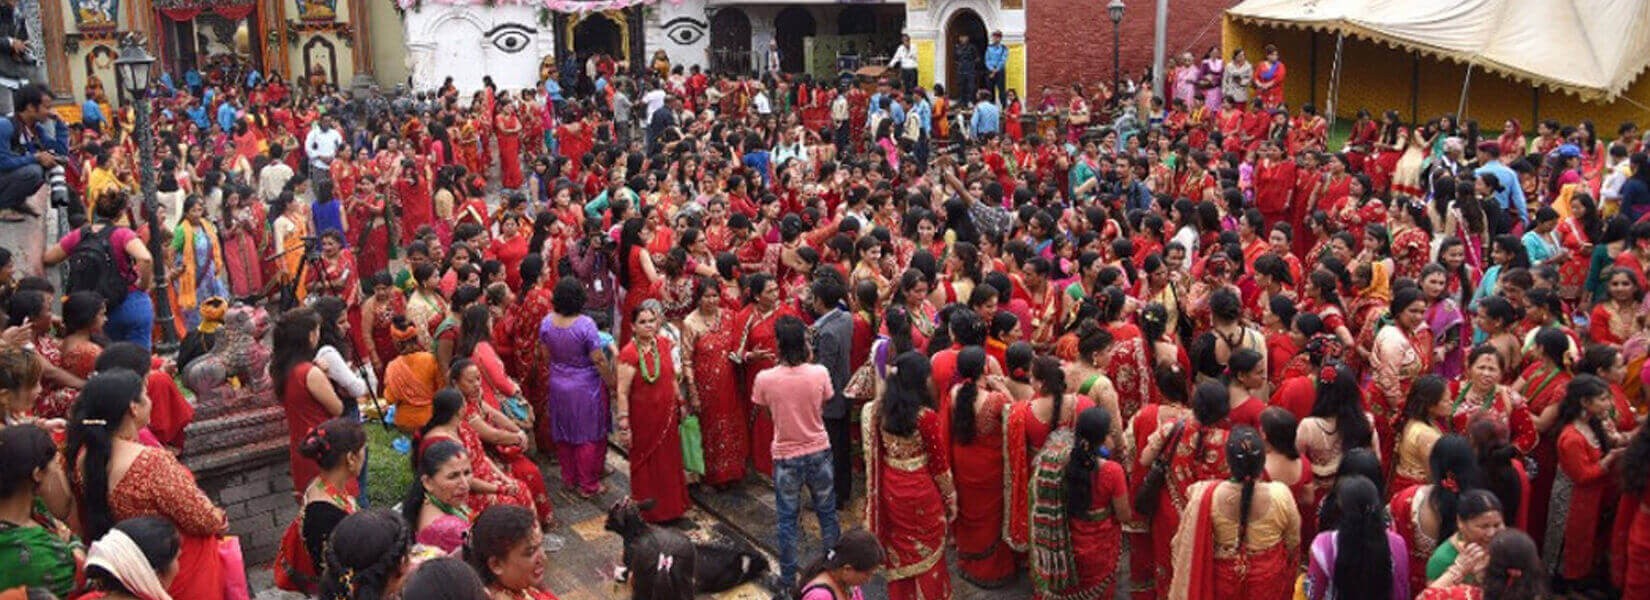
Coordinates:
708 340
509 145
244 244
1630 548
1481 393
378 314
304 390
1389 147
115 478
758 350
346 174
1545 378
412 189
640 279
1511 140
370 227
1193 447
1586 455
1361 141
649 412
1238 538
1076 552
978 405
477 433
510 247
909 494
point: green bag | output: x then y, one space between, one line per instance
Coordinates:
693 451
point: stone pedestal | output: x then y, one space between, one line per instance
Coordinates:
26 239
237 447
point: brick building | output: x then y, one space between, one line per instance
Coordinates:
1070 41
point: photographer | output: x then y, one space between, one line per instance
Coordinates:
32 147
591 260
18 65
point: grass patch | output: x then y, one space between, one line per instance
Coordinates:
388 472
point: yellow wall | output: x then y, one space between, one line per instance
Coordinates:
1016 75
925 62
389 44
1379 78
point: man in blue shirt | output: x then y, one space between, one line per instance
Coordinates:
923 112
227 115
1511 196
895 111
987 117
996 61
33 144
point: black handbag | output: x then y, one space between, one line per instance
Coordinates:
1145 499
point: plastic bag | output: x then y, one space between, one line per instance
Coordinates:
693 451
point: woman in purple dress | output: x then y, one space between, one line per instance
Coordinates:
580 376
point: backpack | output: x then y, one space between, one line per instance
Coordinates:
92 267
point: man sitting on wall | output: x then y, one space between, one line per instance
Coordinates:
33 147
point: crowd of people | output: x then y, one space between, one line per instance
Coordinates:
1185 332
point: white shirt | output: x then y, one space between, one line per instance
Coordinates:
339 371
654 100
322 146
1611 189
905 57
272 179
761 103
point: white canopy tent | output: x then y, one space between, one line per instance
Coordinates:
1592 49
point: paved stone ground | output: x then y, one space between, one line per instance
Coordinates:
582 569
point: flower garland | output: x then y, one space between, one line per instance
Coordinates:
561 6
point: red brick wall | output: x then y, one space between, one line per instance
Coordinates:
1070 41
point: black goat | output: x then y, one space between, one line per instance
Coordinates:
717 567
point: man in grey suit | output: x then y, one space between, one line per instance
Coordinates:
833 337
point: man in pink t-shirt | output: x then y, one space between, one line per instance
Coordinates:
795 393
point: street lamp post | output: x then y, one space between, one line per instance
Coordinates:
133 68
1114 9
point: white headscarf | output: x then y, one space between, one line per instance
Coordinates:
121 557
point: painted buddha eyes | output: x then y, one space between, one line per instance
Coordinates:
510 37
685 30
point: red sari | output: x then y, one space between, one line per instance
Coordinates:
1411 248
158 485
303 413
514 491
1129 369
724 418
417 209
908 482
656 443
983 558
371 249
1209 566
1543 387
1591 488
509 150
757 335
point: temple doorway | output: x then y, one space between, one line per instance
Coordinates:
964 23
790 28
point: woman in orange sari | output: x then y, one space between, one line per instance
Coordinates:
909 493
1239 538
758 350
978 405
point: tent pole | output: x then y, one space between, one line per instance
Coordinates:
1466 84
1160 43
1335 78
1415 90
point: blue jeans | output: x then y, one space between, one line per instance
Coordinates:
789 475
133 321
